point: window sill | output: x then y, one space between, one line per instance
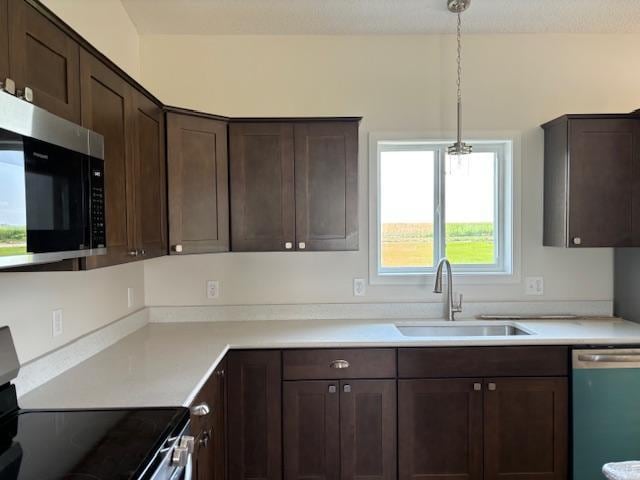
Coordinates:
467 278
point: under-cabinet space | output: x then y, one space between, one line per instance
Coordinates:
198 184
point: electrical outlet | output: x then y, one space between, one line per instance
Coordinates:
57 326
359 287
213 289
130 297
534 286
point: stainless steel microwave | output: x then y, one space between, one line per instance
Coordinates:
51 187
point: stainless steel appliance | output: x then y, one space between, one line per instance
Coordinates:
124 444
51 186
606 413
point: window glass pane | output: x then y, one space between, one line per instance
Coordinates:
470 208
406 208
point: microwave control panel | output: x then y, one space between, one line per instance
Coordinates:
98 235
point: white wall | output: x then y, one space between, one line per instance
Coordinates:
398 83
106 25
89 300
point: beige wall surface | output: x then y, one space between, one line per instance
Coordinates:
398 84
89 300
106 25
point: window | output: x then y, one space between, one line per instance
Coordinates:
431 205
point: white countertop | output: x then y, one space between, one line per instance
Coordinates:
166 364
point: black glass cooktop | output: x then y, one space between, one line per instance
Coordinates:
84 444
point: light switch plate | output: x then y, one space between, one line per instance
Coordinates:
213 289
534 286
56 324
130 297
359 287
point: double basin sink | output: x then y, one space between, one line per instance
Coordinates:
460 329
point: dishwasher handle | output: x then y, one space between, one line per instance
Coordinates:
621 358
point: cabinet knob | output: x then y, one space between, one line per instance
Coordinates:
577 240
477 387
204 439
200 410
347 388
220 373
332 389
143 252
133 253
26 94
9 86
288 245
302 245
177 248
491 386
339 364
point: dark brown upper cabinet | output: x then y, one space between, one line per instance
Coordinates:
107 103
45 59
294 185
150 178
254 415
261 165
326 186
198 184
4 39
592 181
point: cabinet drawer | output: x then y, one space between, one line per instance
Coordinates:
322 364
482 362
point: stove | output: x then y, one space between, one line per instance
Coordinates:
109 444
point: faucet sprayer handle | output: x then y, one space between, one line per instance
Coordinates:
457 305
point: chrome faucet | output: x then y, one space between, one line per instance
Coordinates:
451 307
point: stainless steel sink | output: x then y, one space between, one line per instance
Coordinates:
461 330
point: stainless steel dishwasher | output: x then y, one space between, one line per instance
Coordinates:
606 409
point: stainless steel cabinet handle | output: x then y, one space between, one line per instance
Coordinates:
9 86
477 386
204 439
339 364
143 252
220 373
577 240
200 410
288 245
177 248
492 386
347 388
607 357
302 245
332 389
133 253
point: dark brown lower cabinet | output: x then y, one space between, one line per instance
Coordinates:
340 430
254 415
440 429
525 429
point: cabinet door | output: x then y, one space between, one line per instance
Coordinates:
311 430
106 109
220 424
45 59
262 186
601 179
440 429
254 415
4 40
326 170
368 429
198 184
150 184
526 423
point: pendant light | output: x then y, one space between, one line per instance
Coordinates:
457 7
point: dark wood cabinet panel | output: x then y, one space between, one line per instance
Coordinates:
150 186
46 59
254 415
311 433
440 429
451 362
320 364
326 171
209 462
526 423
262 186
368 429
106 109
4 39
592 181
198 184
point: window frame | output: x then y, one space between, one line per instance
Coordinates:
507 189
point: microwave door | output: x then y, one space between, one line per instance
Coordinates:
56 198
13 213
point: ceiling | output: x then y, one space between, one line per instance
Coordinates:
273 17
